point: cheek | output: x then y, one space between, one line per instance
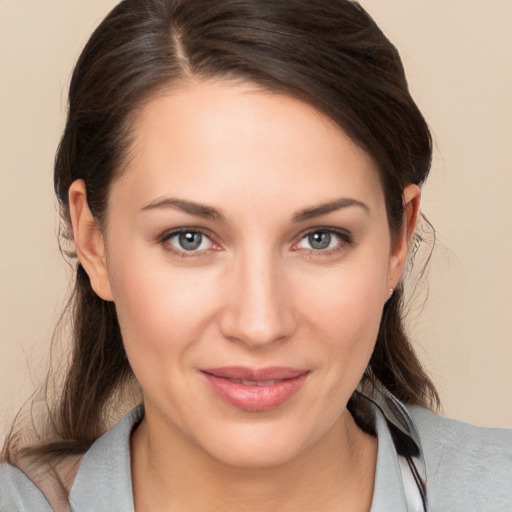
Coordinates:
354 324
344 308
352 295
160 308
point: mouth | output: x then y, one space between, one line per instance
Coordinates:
255 390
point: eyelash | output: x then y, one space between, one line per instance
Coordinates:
166 237
345 239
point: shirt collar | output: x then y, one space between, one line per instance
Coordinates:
104 481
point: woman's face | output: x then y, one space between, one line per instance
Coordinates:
249 257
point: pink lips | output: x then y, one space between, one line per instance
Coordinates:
255 390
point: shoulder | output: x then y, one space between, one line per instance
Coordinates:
468 467
104 476
38 482
100 478
18 493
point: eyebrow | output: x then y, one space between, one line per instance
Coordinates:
331 206
208 212
190 207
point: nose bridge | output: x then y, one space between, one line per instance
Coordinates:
259 309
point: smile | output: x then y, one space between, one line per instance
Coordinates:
254 382
255 390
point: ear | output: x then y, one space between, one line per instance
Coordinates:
89 242
411 200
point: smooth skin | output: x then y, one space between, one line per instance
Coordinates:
246 229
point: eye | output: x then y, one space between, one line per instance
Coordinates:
323 240
319 240
188 240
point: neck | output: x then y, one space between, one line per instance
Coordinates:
336 473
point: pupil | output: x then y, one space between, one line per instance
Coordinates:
190 241
320 240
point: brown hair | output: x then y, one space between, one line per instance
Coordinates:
328 53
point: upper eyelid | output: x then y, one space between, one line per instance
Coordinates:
329 229
177 231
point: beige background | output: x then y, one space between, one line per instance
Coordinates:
458 55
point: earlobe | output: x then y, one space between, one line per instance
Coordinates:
89 243
411 200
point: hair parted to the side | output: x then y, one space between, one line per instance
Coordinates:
328 53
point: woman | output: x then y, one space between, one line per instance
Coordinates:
241 183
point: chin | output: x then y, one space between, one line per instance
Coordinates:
256 453
264 444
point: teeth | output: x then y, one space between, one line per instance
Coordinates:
256 383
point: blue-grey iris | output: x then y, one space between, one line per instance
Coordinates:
190 241
319 240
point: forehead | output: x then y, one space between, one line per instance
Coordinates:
205 139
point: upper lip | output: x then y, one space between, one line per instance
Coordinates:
255 374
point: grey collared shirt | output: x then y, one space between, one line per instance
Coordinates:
469 469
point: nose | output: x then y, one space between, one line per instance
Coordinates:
259 307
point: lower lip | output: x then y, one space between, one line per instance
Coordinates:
256 398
